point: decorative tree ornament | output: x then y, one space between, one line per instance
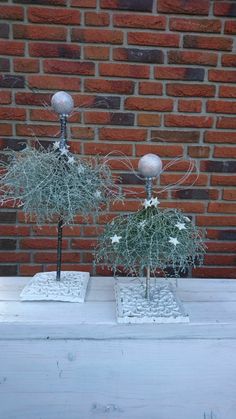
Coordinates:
155 242
150 165
53 185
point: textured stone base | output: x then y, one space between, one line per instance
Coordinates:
44 287
163 306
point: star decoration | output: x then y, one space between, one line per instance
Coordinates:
142 223
71 160
174 241
56 145
115 239
64 151
151 202
98 194
181 226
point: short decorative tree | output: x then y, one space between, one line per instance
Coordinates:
151 241
54 185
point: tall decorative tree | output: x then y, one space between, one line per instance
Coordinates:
151 241
54 185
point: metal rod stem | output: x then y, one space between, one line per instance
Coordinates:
149 187
63 121
59 247
147 292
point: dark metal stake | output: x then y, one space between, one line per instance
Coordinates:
149 196
59 247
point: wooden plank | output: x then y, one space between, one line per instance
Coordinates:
130 380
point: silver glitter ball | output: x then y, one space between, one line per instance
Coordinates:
150 165
62 103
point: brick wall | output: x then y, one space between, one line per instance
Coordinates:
146 76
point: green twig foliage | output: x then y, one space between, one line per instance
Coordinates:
157 238
49 183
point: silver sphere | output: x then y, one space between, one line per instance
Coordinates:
62 103
150 165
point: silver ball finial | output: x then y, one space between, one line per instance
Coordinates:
150 165
62 103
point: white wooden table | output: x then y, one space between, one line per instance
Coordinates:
73 361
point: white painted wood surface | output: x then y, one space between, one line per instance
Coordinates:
73 361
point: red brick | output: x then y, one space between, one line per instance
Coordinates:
169 179
135 5
195 25
49 115
14 257
222 247
192 57
108 118
26 65
219 260
42 49
188 121
206 42
5 129
154 39
11 12
97 35
220 137
38 243
189 105
190 7
109 86
227 91
196 193
54 82
139 21
97 19
225 9
160 150
176 136
39 32
69 67
227 152
199 151
192 90
179 73
222 207
129 206
12 113
214 220
37 130
96 53
29 270
224 122
36 99
124 70
224 272
187 207
225 76
230 27
228 60
149 104
229 194
221 106
150 88
84 3
12 48
104 149
138 55
223 180
120 134
53 16
13 230
50 257
149 120
82 133
5 97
